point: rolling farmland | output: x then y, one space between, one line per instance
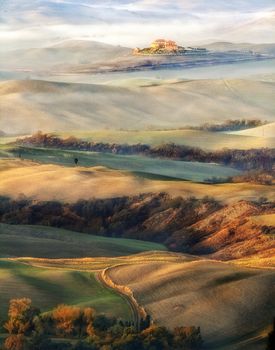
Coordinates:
173 169
50 287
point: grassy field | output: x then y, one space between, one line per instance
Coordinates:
252 138
221 298
49 242
54 182
50 287
194 171
193 138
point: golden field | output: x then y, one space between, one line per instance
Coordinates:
232 304
49 182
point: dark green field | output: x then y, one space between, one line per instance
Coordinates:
49 242
193 171
50 287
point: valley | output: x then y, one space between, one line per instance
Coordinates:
137 202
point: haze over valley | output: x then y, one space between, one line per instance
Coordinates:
137 174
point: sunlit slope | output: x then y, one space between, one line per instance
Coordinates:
50 287
55 182
49 242
193 138
261 131
27 106
221 298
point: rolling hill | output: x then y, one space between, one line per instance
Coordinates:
265 131
224 46
221 298
28 106
55 182
48 242
193 138
63 54
141 165
49 287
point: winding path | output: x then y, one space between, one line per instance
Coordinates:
136 318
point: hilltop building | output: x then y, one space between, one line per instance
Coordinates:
162 44
167 47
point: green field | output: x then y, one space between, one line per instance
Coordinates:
49 242
50 287
193 171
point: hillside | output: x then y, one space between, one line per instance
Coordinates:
48 181
48 242
202 227
266 131
194 138
138 164
28 106
230 234
228 46
50 287
66 53
223 299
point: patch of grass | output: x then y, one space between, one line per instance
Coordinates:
49 242
193 171
50 287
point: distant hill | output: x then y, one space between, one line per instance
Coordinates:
81 56
228 46
71 52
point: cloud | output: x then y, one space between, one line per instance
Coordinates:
135 22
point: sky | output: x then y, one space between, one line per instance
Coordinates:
135 23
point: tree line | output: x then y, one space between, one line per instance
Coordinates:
260 159
83 329
136 217
231 125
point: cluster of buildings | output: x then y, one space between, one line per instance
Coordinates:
163 46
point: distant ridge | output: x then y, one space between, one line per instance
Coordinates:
229 46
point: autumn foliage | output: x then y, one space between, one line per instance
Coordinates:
30 330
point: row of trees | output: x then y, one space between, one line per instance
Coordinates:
260 159
231 125
29 329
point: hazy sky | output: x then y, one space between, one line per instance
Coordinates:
132 23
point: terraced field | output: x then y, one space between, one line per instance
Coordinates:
48 242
